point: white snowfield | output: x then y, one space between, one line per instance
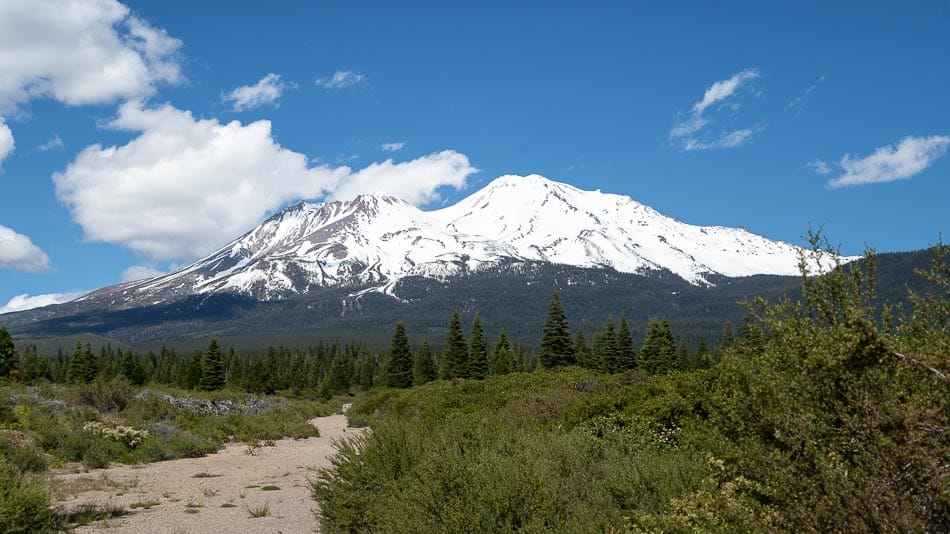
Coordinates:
377 240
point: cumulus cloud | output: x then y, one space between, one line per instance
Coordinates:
17 251
909 157
80 52
341 79
393 147
185 186
416 181
266 91
55 143
689 129
28 302
6 140
140 272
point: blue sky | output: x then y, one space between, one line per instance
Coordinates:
121 156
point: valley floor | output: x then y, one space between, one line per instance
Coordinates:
215 493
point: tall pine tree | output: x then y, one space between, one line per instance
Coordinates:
8 355
423 366
478 354
213 374
455 357
399 362
503 358
557 347
658 354
626 355
82 366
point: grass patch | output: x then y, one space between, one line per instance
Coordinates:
270 488
204 475
145 505
260 510
228 505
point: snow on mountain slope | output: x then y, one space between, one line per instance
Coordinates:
555 222
376 240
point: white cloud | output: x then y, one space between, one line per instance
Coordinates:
888 163
55 143
341 79
393 147
266 91
80 52
28 302
17 251
820 167
185 186
140 272
6 140
415 181
797 102
688 129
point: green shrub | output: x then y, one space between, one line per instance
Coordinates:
24 456
104 395
24 503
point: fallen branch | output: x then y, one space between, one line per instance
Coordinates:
937 372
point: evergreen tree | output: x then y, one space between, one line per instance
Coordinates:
82 366
503 357
8 357
607 348
626 355
213 374
478 354
399 362
728 336
557 347
33 367
366 366
190 376
703 360
455 357
132 370
659 348
340 373
582 353
684 361
751 337
423 366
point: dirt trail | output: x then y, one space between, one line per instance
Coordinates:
179 502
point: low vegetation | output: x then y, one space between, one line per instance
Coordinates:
827 414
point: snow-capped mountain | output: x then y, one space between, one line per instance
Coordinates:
374 241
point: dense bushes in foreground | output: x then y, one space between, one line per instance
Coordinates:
833 416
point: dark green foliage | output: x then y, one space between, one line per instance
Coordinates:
338 377
9 367
557 348
213 375
399 362
191 372
658 354
82 366
606 351
478 353
503 356
423 366
626 355
582 352
455 357
24 503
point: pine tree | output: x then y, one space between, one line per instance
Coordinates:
478 353
728 336
658 354
213 374
190 376
455 357
703 360
557 347
399 362
626 355
8 355
503 358
423 366
366 367
684 361
607 348
82 366
582 353
339 376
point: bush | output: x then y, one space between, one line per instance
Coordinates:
105 396
24 504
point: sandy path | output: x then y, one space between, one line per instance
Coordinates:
182 503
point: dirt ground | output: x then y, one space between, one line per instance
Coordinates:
215 494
